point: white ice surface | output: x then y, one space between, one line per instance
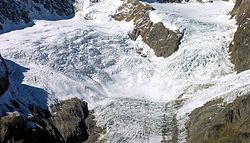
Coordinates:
133 95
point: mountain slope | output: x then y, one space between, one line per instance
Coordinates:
136 96
19 14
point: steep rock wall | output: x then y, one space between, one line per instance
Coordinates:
240 47
218 123
64 124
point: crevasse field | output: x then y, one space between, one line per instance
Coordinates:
137 99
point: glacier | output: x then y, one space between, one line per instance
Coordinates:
137 99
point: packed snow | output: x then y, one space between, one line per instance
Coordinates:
136 97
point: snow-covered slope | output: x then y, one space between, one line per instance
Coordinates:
16 14
134 98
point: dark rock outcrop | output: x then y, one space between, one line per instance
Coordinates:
4 81
65 124
10 125
16 12
218 123
240 47
163 41
68 117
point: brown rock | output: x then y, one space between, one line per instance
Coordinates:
68 117
131 10
163 41
94 131
240 47
214 123
65 124
241 10
10 125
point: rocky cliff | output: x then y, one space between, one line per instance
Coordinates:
64 124
219 123
162 40
240 47
4 81
15 12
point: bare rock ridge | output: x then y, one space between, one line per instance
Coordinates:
23 12
240 47
218 123
4 81
163 41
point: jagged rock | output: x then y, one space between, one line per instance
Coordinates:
4 81
132 10
163 41
15 12
65 124
68 117
94 131
218 123
240 47
241 10
10 125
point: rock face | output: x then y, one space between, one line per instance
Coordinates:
16 12
68 117
240 47
163 41
4 81
65 124
215 123
94 131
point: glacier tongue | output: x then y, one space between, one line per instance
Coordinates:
136 99
138 120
